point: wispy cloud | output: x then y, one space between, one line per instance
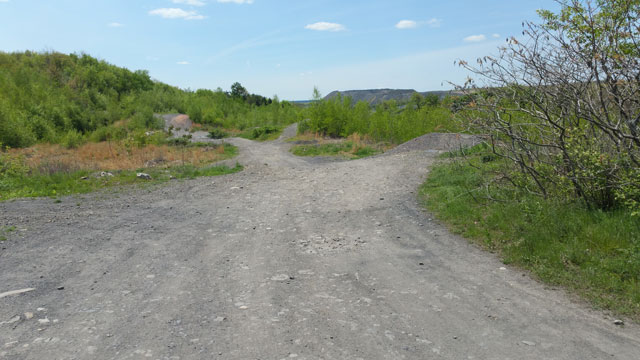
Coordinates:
183 63
236 1
407 24
433 22
495 36
113 24
1 1
176 13
189 2
326 26
412 24
475 38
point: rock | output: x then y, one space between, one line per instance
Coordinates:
84 178
13 320
618 322
15 292
60 288
28 315
143 176
106 174
43 321
529 343
281 277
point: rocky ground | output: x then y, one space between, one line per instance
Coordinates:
291 258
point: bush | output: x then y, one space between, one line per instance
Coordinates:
217 134
72 139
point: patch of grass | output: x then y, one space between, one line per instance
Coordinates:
217 133
264 133
346 149
595 254
32 179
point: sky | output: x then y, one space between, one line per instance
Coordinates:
274 47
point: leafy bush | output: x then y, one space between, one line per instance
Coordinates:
72 139
217 134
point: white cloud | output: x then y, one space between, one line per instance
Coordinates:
183 63
236 1
406 24
495 36
412 24
1 1
434 23
326 26
113 24
176 13
189 2
475 38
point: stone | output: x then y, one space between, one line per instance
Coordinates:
143 176
529 343
618 322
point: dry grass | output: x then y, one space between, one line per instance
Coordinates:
111 156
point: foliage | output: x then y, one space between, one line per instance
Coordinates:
595 253
563 104
346 149
217 133
262 133
55 98
389 121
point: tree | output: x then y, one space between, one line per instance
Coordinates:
238 91
563 103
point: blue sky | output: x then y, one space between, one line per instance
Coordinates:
283 47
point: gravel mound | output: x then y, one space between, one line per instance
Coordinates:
437 141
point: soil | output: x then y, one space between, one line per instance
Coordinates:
291 258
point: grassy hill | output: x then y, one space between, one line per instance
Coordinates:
58 98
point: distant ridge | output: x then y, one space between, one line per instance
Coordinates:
376 96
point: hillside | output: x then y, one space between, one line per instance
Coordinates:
377 96
58 98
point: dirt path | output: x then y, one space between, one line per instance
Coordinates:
291 258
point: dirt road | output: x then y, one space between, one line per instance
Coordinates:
291 258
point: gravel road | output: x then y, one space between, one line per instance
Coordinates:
290 259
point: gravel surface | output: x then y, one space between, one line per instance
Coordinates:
289 259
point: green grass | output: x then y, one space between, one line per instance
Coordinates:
593 253
264 133
344 149
78 182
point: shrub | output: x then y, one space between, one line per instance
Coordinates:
217 134
72 139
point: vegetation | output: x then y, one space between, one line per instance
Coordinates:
593 252
52 170
563 105
389 121
556 189
353 147
71 99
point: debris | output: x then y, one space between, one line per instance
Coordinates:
60 288
15 292
143 176
106 174
43 321
13 320
618 322
28 315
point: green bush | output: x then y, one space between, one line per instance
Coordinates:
72 139
217 134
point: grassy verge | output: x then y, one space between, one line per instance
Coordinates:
345 149
264 133
39 175
593 253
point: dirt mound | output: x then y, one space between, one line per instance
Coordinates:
437 141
